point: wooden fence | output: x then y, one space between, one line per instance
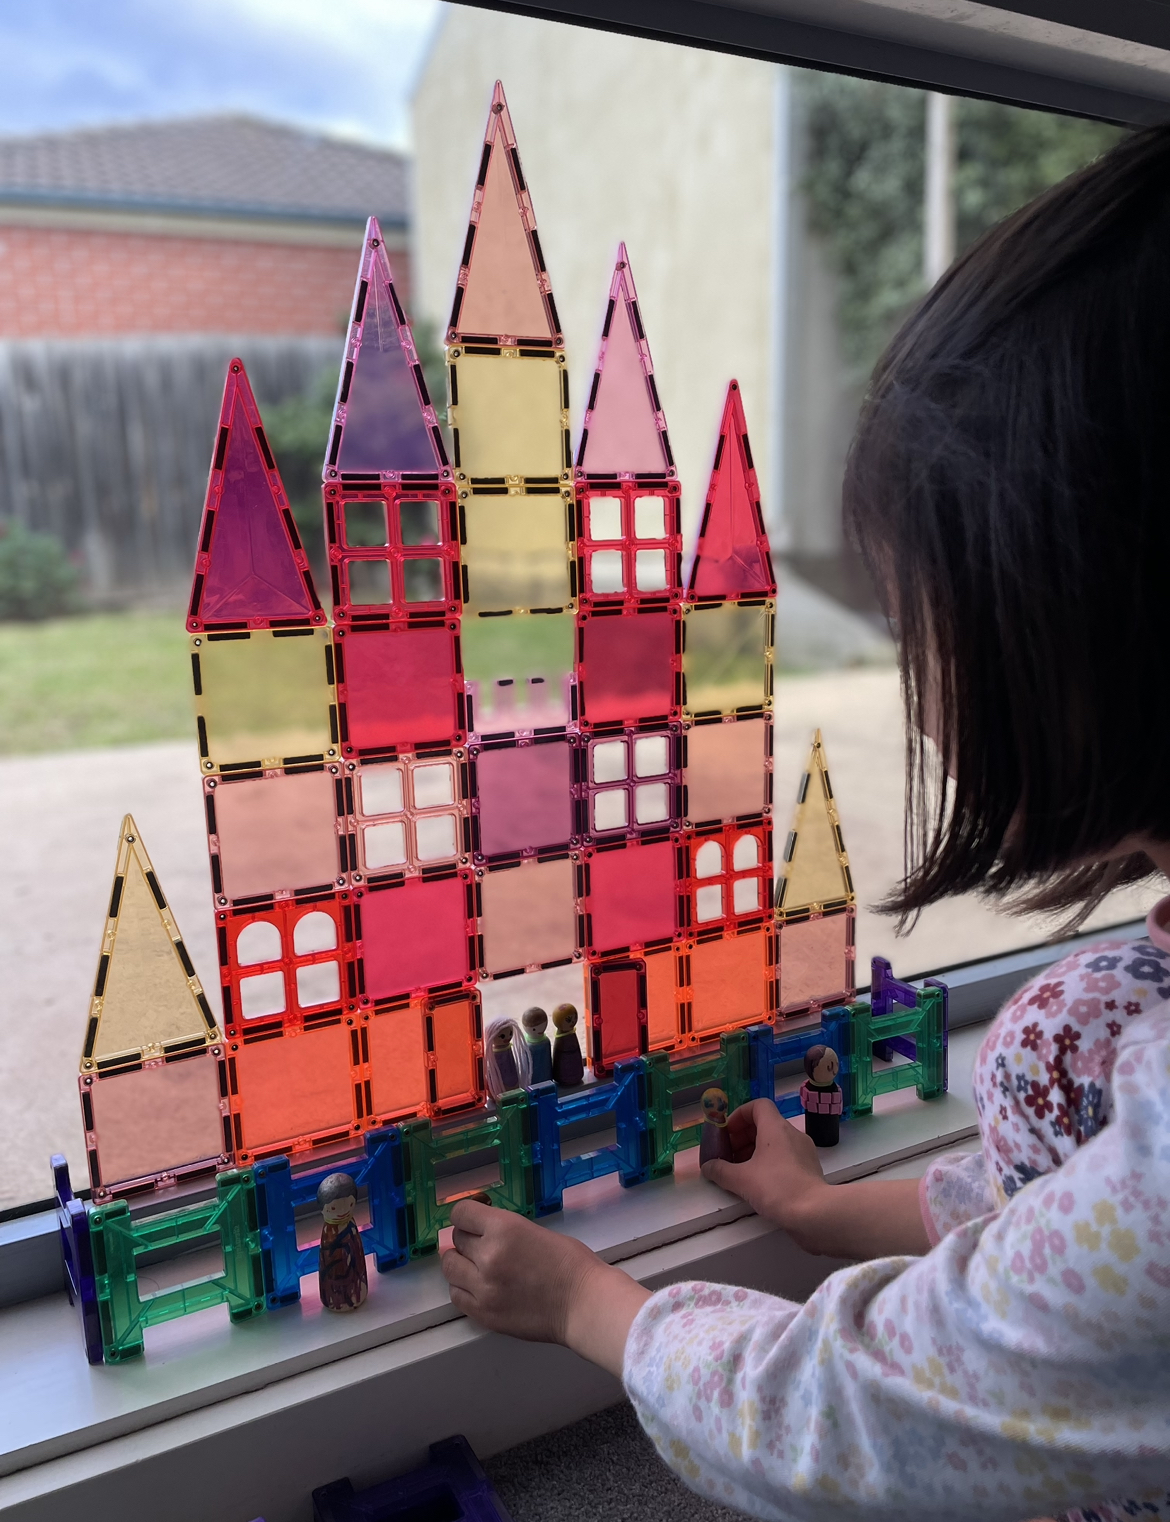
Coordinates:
105 444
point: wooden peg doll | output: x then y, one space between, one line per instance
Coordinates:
535 1023
568 1066
715 1140
342 1274
503 1067
820 1095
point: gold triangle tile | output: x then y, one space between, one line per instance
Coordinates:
814 872
147 1001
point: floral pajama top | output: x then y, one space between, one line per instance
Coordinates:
1022 1367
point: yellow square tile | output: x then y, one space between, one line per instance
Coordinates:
509 414
263 698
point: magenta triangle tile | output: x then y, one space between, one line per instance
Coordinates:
251 569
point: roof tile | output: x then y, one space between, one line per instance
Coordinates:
231 164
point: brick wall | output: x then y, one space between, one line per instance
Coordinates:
58 283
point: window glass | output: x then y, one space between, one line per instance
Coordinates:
783 249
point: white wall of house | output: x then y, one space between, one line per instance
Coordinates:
670 148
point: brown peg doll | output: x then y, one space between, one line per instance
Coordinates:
342 1274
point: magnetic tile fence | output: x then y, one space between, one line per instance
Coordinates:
253 1209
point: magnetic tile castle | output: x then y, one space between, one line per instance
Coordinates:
520 742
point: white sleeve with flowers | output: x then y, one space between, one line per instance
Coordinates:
1042 1076
1017 1370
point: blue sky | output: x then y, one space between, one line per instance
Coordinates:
342 66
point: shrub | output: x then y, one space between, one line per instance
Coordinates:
37 579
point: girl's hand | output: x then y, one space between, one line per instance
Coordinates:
515 1277
775 1167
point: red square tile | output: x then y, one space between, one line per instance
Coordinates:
628 667
632 895
414 936
400 688
618 1014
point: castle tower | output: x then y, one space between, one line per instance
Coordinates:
263 670
728 624
509 398
815 901
393 529
628 685
152 1075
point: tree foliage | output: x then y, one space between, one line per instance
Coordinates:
864 182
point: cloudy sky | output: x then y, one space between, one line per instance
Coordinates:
339 65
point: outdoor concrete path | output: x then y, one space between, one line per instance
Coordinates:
59 821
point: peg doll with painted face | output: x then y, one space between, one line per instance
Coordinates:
820 1095
342 1273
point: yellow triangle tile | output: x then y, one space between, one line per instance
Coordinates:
815 867
147 1000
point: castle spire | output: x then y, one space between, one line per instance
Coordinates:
147 1001
503 295
624 428
814 873
732 558
251 569
383 420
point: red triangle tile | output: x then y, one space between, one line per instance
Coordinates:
732 558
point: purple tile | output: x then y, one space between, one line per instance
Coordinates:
525 799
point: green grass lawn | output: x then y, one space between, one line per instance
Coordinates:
101 679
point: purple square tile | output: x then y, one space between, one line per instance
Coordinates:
525 798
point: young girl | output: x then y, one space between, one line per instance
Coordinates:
1004 1352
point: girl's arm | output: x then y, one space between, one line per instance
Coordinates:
777 1171
500 1272
1017 1370
515 1277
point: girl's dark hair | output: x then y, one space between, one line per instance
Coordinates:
1009 489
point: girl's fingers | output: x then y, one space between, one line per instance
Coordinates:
464 1242
471 1216
459 1272
462 1301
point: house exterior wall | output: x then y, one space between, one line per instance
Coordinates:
668 148
83 282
